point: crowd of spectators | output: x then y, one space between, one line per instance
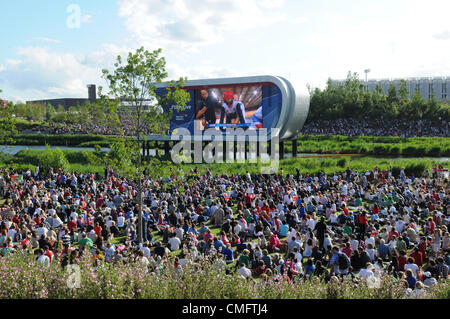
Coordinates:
357 225
377 127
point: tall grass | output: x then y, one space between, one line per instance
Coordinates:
80 162
372 145
322 144
201 280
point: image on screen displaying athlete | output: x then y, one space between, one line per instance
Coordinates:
233 107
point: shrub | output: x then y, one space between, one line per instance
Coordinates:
416 169
53 159
434 151
395 150
342 162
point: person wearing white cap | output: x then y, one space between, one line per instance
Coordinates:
428 279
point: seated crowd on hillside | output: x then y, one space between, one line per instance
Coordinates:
88 127
346 127
349 225
377 127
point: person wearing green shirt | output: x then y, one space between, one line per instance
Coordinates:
348 229
401 244
86 241
389 201
358 202
395 197
244 258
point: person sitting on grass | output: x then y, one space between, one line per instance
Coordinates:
274 243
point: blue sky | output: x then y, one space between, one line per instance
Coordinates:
44 56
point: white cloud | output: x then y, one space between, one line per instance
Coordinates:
393 46
300 20
44 39
182 24
41 73
271 3
442 35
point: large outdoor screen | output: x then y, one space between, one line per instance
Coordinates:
250 106
230 107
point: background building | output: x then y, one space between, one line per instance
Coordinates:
438 86
68 102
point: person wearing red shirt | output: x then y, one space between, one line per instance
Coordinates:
418 257
16 220
402 260
437 219
98 229
48 253
224 238
423 247
261 268
235 240
72 225
347 250
346 211
362 225
274 242
248 200
430 226
375 209
37 220
393 233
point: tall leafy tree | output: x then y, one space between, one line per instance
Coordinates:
418 105
7 126
137 108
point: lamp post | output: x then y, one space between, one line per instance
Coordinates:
366 71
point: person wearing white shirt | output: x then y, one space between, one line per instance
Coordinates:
120 221
74 215
42 260
291 234
411 265
245 272
109 221
429 280
174 242
326 242
399 224
333 218
370 240
38 211
366 272
146 250
56 222
143 260
354 243
109 252
12 233
8 223
298 255
51 212
179 232
42 230
311 223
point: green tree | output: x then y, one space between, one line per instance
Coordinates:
61 114
7 126
50 112
392 95
352 104
432 108
55 159
418 105
132 85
